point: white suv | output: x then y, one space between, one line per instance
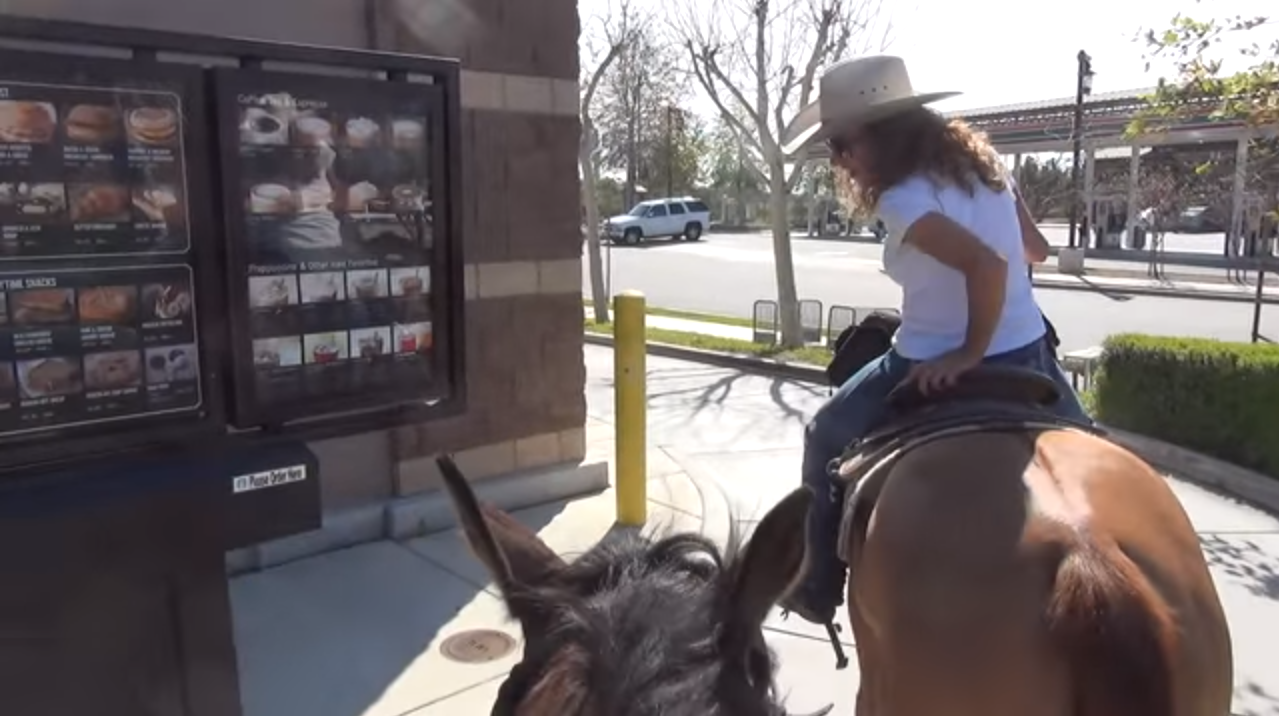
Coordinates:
682 217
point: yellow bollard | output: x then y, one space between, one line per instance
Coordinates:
631 405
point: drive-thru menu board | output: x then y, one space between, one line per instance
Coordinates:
97 300
333 232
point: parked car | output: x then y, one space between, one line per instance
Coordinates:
677 218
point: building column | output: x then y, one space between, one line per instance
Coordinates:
810 199
1134 188
1235 237
1017 165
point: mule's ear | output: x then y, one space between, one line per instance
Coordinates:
773 561
513 554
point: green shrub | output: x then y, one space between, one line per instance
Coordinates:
1219 398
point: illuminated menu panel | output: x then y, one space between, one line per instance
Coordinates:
334 194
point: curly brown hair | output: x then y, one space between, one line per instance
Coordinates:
920 141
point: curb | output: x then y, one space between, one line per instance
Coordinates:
1266 299
1247 485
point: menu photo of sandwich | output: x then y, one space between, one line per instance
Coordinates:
49 377
23 122
42 307
100 203
33 202
152 126
113 371
158 204
108 305
283 352
92 124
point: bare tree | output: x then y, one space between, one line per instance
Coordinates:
615 27
760 59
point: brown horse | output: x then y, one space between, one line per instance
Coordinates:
1006 564
637 627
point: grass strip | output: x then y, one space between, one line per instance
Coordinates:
689 315
808 355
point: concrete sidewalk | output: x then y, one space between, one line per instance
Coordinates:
358 632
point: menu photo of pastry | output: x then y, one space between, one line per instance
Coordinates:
42 307
153 126
371 342
408 133
411 281
24 122
263 127
49 377
92 124
158 204
366 284
273 291
171 364
33 202
408 198
283 352
322 287
108 305
100 203
413 337
362 132
325 347
166 301
112 371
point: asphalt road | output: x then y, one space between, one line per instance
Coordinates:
725 273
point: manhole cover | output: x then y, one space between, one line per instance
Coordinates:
477 646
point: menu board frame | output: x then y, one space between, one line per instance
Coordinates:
443 391
125 433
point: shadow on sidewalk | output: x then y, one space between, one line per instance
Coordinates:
358 632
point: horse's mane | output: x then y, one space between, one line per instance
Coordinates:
638 625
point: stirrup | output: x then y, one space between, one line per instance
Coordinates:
832 632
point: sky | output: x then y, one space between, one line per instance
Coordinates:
1010 51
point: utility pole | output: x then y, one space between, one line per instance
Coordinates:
1083 88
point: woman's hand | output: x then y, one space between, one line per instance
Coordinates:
942 371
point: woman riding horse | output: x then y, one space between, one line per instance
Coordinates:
1030 568
958 241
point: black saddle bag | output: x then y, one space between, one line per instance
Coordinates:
860 344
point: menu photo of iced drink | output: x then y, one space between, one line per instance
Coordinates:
89 346
90 171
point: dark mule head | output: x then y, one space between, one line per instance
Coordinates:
637 627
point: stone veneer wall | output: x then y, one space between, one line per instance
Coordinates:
523 246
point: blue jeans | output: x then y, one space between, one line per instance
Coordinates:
852 412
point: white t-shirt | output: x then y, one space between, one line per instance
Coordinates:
934 296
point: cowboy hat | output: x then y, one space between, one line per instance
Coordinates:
853 92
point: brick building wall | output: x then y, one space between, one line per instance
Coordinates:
526 404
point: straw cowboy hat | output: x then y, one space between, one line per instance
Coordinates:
854 92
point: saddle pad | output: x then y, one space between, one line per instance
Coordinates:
867 473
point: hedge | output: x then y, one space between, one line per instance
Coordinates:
1219 398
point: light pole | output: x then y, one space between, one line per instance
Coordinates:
1083 88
